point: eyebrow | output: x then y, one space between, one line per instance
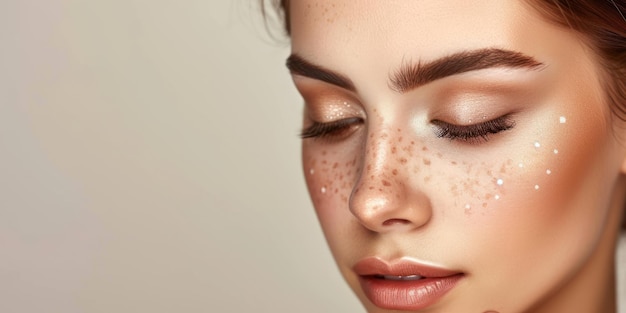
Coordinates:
299 66
413 75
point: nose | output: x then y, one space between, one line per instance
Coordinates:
386 197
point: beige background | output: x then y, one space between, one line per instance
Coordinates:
149 163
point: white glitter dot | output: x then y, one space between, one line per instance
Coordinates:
497 197
467 206
556 151
500 182
312 171
520 165
548 172
537 144
536 187
323 190
562 119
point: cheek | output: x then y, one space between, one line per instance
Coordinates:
330 174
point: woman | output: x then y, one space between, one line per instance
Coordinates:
466 156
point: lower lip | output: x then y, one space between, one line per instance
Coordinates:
407 295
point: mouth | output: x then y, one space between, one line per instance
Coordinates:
404 284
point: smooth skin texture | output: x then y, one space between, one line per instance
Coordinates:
529 214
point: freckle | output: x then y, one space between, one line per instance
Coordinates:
453 163
393 150
489 172
403 160
394 172
399 130
335 165
386 183
371 188
439 155
380 189
369 167
324 152
426 161
503 169
488 196
349 173
548 172
400 139
324 162
341 177
412 142
424 148
372 177
427 179
484 204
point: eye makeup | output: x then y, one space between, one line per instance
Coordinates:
474 133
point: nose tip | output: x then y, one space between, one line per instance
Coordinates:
383 205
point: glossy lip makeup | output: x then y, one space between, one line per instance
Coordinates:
404 284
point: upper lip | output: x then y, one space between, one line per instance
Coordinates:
400 267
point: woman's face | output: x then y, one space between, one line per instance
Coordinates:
466 142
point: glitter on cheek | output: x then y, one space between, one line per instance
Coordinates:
537 144
562 119
548 172
312 171
500 182
556 151
521 165
536 187
497 197
323 190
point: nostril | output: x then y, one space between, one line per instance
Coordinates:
395 221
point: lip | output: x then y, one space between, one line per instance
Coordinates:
400 291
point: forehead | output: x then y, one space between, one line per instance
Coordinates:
397 30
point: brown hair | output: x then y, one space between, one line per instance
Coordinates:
602 24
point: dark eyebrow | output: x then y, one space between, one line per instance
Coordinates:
299 66
411 76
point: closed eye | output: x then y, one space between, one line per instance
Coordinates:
331 130
473 133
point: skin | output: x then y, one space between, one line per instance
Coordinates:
387 186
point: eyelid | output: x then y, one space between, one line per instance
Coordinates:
470 133
330 129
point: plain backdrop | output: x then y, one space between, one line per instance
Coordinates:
149 162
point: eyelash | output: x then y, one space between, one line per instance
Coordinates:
330 130
469 133
472 133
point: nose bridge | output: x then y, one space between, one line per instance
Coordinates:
382 199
